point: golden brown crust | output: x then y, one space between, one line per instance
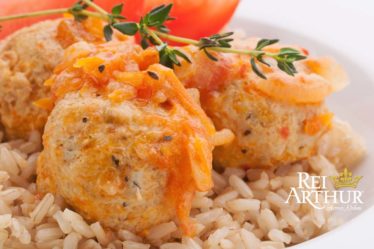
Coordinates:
27 58
126 148
275 121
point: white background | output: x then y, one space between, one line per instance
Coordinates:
347 26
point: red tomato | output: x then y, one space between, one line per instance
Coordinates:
196 18
132 10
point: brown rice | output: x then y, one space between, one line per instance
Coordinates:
245 210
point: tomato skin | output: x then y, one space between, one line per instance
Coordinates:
132 10
196 18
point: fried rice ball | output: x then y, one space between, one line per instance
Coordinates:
278 120
123 146
27 59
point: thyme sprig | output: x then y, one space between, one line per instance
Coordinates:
152 27
285 58
215 41
153 21
76 11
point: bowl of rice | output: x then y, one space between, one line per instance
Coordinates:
246 208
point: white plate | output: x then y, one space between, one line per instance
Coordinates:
354 104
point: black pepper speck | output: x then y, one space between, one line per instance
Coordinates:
153 75
32 178
168 138
115 161
136 184
247 132
101 68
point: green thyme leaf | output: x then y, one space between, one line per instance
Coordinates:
169 56
221 36
260 58
210 56
286 67
157 8
164 55
152 26
173 57
118 17
158 15
292 67
163 29
144 43
108 32
76 7
127 28
115 15
291 57
225 43
299 57
265 42
76 11
117 9
288 51
256 69
79 17
79 6
182 55
215 41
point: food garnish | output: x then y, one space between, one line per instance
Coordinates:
152 27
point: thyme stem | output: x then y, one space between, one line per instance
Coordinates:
101 13
154 35
34 14
152 29
97 8
217 49
45 13
176 38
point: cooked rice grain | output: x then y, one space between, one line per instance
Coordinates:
162 230
237 214
239 185
71 241
279 236
78 224
42 208
135 245
240 205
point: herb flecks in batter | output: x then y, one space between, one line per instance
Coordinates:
115 161
167 138
153 75
101 68
247 132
